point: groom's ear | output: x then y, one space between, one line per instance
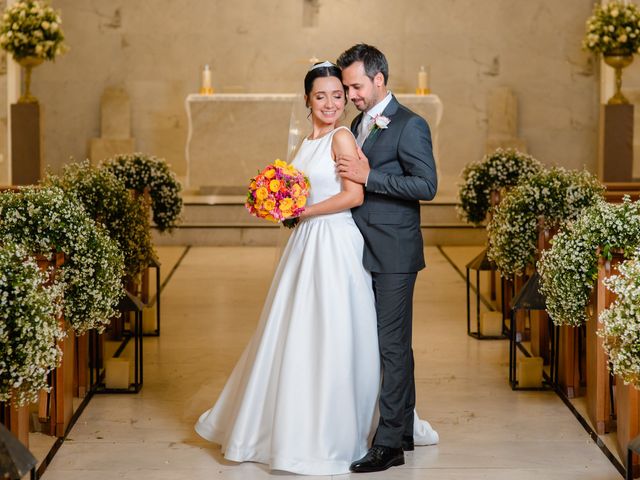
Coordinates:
378 79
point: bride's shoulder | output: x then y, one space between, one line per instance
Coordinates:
343 141
343 135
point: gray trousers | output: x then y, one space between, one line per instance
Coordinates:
394 307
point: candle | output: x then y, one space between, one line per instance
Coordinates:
423 82
206 88
422 79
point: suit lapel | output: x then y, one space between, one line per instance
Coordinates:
388 112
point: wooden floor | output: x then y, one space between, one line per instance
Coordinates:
209 309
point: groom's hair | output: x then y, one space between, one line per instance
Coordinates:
373 59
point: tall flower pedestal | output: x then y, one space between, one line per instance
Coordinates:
26 153
28 63
16 419
56 407
616 132
598 377
628 423
618 61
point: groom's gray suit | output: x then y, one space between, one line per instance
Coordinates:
402 173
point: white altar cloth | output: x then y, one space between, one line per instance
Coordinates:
232 136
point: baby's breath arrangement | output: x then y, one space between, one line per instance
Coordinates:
43 220
109 203
31 28
29 328
139 171
497 171
621 322
555 195
614 28
569 269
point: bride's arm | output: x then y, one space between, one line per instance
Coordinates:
352 194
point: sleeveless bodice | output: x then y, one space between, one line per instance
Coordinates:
315 160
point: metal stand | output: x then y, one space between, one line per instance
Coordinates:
127 304
530 298
481 263
633 447
155 264
15 459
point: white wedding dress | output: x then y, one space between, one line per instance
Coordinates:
302 397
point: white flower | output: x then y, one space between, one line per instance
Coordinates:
622 38
45 25
615 12
380 121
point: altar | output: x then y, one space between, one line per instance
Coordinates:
232 136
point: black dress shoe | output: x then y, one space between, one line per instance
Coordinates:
407 444
378 458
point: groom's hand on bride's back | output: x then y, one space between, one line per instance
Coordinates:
354 168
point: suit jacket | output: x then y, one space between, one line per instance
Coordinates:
402 173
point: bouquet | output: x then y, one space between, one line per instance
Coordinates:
613 28
278 194
31 28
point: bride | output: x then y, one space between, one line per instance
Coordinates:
302 398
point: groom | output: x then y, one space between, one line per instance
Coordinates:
397 169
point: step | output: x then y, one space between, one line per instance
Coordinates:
222 219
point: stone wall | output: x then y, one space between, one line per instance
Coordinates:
155 49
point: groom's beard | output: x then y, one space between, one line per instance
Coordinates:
366 104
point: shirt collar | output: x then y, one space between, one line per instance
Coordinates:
379 107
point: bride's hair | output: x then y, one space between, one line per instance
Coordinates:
332 71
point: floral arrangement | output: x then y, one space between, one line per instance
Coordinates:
139 172
278 193
555 195
497 171
621 322
29 328
569 269
614 28
31 28
109 203
43 220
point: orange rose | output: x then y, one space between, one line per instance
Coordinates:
274 185
301 202
262 193
270 173
286 204
296 190
269 205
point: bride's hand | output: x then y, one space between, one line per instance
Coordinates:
306 213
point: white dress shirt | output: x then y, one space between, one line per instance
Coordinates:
367 119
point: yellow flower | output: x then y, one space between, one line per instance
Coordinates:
269 205
274 185
296 190
270 173
271 219
286 213
280 163
253 185
286 204
262 193
301 202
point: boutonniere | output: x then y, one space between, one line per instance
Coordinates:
380 122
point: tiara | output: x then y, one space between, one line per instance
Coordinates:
326 63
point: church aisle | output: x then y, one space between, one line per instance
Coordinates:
210 308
